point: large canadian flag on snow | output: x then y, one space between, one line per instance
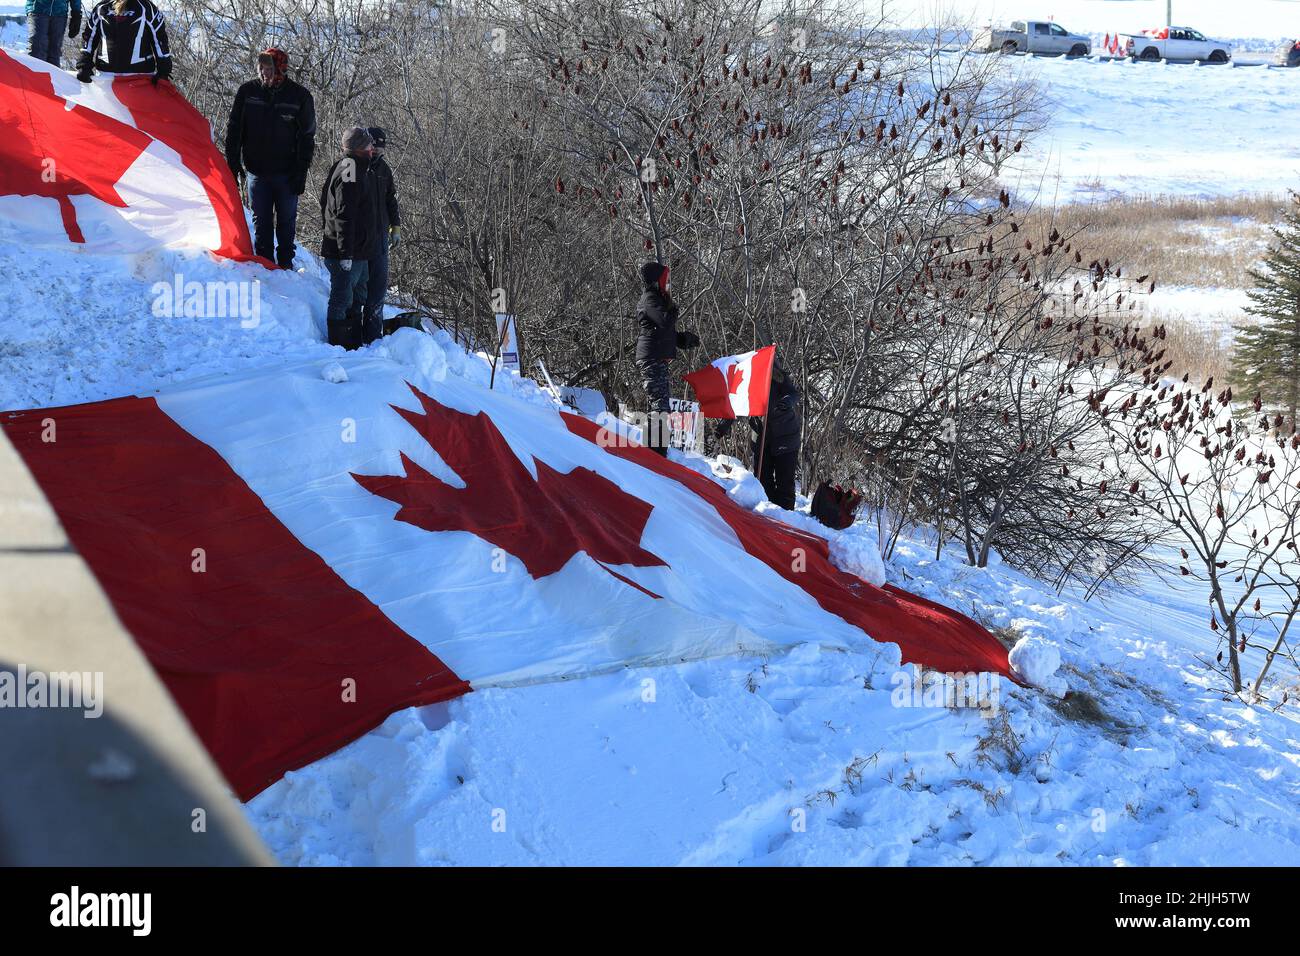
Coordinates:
298 558
734 386
117 165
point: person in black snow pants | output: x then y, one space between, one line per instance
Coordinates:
656 346
124 36
780 459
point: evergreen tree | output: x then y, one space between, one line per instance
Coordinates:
1267 355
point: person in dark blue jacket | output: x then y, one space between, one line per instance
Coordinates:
349 206
46 22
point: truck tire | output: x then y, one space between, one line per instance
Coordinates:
1077 50
1008 46
1218 56
1150 54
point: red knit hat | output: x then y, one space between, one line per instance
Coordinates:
279 60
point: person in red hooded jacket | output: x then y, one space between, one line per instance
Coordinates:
656 346
271 136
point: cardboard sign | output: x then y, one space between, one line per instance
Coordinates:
508 341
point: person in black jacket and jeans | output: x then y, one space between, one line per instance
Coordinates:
656 346
390 222
780 459
124 36
349 207
272 135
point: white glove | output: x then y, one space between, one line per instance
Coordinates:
346 264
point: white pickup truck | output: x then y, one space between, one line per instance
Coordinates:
1174 43
1032 36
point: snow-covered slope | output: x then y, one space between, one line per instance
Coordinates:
816 754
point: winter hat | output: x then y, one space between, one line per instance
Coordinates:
378 136
356 139
654 274
278 59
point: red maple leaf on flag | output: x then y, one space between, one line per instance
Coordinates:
53 151
735 378
543 523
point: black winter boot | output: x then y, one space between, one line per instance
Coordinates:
356 326
372 327
346 332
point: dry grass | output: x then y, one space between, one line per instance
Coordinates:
1193 243
1178 241
1199 349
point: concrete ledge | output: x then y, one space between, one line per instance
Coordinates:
133 786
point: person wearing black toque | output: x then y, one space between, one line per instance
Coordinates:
656 346
390 233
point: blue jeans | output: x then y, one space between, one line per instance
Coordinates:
45 37
275 217
347 302
377 289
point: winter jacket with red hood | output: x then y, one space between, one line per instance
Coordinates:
656 313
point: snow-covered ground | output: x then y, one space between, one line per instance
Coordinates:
818 756
1118 128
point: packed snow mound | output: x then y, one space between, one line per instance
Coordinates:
858 552
1036 661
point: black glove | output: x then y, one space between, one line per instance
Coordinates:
162 70
723 427
236 169
687 340
85 73
74 22
299 183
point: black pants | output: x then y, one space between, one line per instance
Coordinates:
778 477
654 376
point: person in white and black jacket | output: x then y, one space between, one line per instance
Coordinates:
124 36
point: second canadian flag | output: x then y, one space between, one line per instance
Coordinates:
735 385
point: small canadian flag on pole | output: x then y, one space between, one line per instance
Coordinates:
735 385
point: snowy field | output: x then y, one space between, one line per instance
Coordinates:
1118 128
1245 20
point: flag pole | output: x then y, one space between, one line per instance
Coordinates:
767 410
762 444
